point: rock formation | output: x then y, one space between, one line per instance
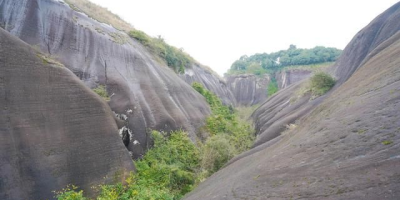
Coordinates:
288 77
248 89
210 81
343 145
145 93
54 131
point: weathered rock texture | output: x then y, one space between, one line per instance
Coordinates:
54 131
248 89
288 77
345 145
210 81
144 92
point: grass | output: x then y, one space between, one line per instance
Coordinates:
102 92
100 14
387 142
48 60
272 87
175 58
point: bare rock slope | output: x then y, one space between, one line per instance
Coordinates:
145 93
210 81
344 145
54 131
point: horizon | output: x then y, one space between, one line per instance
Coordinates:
245 27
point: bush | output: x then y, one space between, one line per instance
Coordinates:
321 83
272 87
140 36
223 120
216 152
101 91
70 193
173 57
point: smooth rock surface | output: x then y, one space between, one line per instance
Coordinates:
145 93
210 81
54 130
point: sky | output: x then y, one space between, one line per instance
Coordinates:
218 32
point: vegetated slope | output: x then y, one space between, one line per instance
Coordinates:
54 131
345 147
144 92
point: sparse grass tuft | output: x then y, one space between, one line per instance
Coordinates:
101 91
387 142
99 13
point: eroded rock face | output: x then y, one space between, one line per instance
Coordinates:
146 91
210 81
248 89
344 145
54 131
288 77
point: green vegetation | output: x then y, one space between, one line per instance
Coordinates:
101 91
272 87
175 58
320 83
99 13
387 142
292 57
224 120
175 165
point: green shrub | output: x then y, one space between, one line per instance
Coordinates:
272 87
101 91
70 193
140 36
321 83
224 120
216 152
173 57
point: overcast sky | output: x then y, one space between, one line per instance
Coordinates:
216 33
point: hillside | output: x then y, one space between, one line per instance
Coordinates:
342 145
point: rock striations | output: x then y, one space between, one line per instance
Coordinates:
54 131
145 93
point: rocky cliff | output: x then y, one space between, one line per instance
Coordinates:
343 145
144 92
210 81
288 77
248 89
54 131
